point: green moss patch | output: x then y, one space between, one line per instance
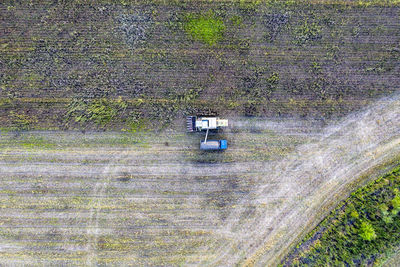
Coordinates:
206 28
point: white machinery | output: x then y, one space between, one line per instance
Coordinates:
198 124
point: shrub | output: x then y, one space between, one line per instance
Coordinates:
99 111
354 214
396 202
366 231
22 122
363 229
307 32
136 122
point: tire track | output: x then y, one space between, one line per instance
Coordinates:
321 171
143 201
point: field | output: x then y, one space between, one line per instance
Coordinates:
103 198
117 65
95 166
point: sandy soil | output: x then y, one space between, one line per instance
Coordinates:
108 198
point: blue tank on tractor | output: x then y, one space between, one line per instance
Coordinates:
213 145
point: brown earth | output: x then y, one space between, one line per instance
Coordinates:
114 198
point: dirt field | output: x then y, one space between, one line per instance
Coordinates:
113 63
151 198
114 198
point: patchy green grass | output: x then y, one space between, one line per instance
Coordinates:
27 142
22 122
206 28
362 230
98 111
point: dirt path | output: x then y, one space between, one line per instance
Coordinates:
319 173
108 198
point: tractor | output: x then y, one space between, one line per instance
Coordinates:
206 123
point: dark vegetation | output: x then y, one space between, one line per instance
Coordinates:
359 232
113 64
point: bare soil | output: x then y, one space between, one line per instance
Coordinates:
154 199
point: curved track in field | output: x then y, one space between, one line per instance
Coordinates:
319 175
99 198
